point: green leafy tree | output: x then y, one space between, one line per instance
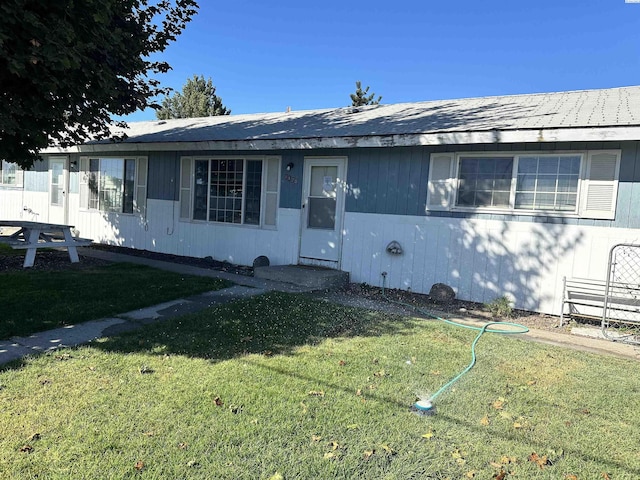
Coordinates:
198 99
67 66
360 97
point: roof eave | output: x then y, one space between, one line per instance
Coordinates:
453 138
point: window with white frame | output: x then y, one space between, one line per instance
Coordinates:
11 174
113 184
576 183
236 190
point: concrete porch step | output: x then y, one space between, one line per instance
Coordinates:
317 278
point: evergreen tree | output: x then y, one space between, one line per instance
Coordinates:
198 99
67 66
360 97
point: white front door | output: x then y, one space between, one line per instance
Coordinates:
58 189
322 211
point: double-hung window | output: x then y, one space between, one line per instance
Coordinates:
235 190
10 174
577 183
113 184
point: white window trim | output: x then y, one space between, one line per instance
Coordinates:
139 187
263 189
579 212
19 176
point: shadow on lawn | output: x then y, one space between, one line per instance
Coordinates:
275 323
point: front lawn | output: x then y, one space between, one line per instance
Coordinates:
36 300
285 387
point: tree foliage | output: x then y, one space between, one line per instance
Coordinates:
198 99
66 66
360 97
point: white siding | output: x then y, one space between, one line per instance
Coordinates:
17 204
480 259
162 232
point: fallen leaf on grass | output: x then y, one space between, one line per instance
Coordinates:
26 449
570 477
499 403
470 474
316 438
531 382
46 381
342 363
148 434
457 454
192 464
358 393
517 425
605 475
541 461
435 372
388 450
334 445
368 454
34 437
139 465
218 401
236 409
429 434
484 421
501 475
329 455
316 393
183 445
353 426
145 369
381 373
276 476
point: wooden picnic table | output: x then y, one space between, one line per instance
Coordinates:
31 236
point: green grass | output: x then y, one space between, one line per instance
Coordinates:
32 301
281 386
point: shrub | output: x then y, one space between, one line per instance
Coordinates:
500 307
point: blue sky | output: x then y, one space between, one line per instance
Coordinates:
266 56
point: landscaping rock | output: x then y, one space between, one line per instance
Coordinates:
442 293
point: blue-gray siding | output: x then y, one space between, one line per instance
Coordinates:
384 180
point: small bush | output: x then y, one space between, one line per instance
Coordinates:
500 307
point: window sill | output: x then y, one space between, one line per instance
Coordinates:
229 225
512 212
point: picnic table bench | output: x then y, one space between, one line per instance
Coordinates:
32 236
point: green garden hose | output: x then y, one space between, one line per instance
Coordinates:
425 406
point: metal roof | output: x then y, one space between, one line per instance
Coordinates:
468 120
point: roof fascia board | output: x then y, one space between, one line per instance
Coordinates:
406 140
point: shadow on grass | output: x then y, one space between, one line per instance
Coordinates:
270 324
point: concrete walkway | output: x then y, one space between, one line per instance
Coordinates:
244 287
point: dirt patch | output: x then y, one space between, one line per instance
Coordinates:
207 262
459 308
47 260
